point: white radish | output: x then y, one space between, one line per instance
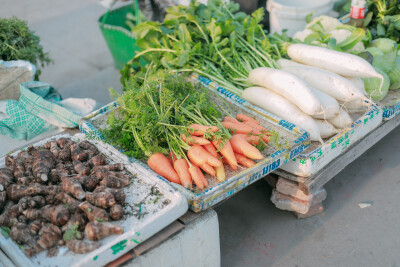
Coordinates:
280 106
358 82
329 105
326 128
338 62
283 63
355 105
328 82
288 86
342 121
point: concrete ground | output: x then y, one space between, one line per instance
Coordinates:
252 231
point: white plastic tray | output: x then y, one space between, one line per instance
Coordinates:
156 215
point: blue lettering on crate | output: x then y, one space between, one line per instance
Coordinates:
230 95
295 152
267 169
287 124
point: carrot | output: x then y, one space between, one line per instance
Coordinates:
208 169
237 127
196 174
194 140
199 130
257 127
162 166
252 139
219 171
230 119
242 160
199 156
241 146
227 152
244 118
171 157
182 168
212 150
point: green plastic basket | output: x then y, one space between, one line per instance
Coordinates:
118 36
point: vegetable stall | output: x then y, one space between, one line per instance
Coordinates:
211 103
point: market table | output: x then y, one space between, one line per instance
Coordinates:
308 186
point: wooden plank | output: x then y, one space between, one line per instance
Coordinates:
121 260
189 216
332 169
158 238
291 176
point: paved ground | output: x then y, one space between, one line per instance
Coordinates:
253 232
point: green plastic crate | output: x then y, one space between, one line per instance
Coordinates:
118 36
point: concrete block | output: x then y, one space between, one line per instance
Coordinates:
314 210
291 188
318 197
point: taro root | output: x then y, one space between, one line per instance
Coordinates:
72 186
5 218
111 167
15 192
80 247
26 180
78 153
98 230
98 160
58 215
114 181
20 233
32 214
6 178
65 198
54 148
19 171
81 168
43 162
88 182
35 226
94 213
118 193
3 199
9 160
50 236
77 218
22 219
89 148
64 142
64 154
53 189
116 212
101 199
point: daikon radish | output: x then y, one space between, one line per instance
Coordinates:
329 105
342 121
280 106
283 63
289 86
355 105
358 82
328 82
338 62
326 128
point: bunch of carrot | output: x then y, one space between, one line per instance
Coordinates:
208 148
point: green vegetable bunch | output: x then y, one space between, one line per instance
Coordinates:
18 42
152 115
214 40
383 19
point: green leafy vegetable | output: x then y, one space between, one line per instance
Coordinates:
71 232
5 231
383 19
394 75
18 42
372 86
215 41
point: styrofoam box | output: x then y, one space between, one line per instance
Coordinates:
296 141
169 206
309 163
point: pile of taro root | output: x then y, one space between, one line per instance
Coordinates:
54 195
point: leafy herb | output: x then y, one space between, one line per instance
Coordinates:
383 19
18 42
214 40
71 232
